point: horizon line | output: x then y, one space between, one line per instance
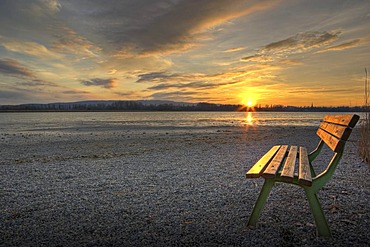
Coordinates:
259 105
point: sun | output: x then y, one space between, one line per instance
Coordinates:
248 102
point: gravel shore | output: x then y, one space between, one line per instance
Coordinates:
168 187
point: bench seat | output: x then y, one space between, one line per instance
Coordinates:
279 163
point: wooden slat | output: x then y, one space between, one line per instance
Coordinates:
304 172
287 173
339 131
334 143
274 165
259 167
345 120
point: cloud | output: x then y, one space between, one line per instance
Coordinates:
105 83
31 17
166 81
74 92
250 58
192 28
257 58
178 77
189 80
153 76
301 42
52 5
150 28
112 71
28 48
235 49
126 94
43 7
68 41
343 46
38 83
14 68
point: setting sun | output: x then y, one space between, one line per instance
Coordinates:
247 101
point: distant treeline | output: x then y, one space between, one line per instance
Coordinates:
175 106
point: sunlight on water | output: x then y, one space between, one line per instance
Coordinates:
248 120
121 121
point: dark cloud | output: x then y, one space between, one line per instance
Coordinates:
251 58
38 83
14 68
188 81
73 92
23 16
298 43
191 19
140 27
302 41
154 76
105 83
149 27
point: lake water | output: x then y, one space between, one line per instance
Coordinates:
49 121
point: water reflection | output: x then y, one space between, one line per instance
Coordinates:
248 120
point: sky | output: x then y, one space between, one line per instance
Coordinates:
287 52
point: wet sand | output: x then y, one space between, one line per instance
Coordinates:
168 187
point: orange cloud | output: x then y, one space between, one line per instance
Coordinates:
343 46
28 48
234 49
70 42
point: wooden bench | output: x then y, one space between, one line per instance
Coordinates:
278 165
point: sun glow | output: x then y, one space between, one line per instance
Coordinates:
248 98
248 104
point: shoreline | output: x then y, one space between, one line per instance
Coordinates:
166 188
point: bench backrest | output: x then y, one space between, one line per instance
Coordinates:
335 130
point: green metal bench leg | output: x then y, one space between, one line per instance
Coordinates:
260 203
320 220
